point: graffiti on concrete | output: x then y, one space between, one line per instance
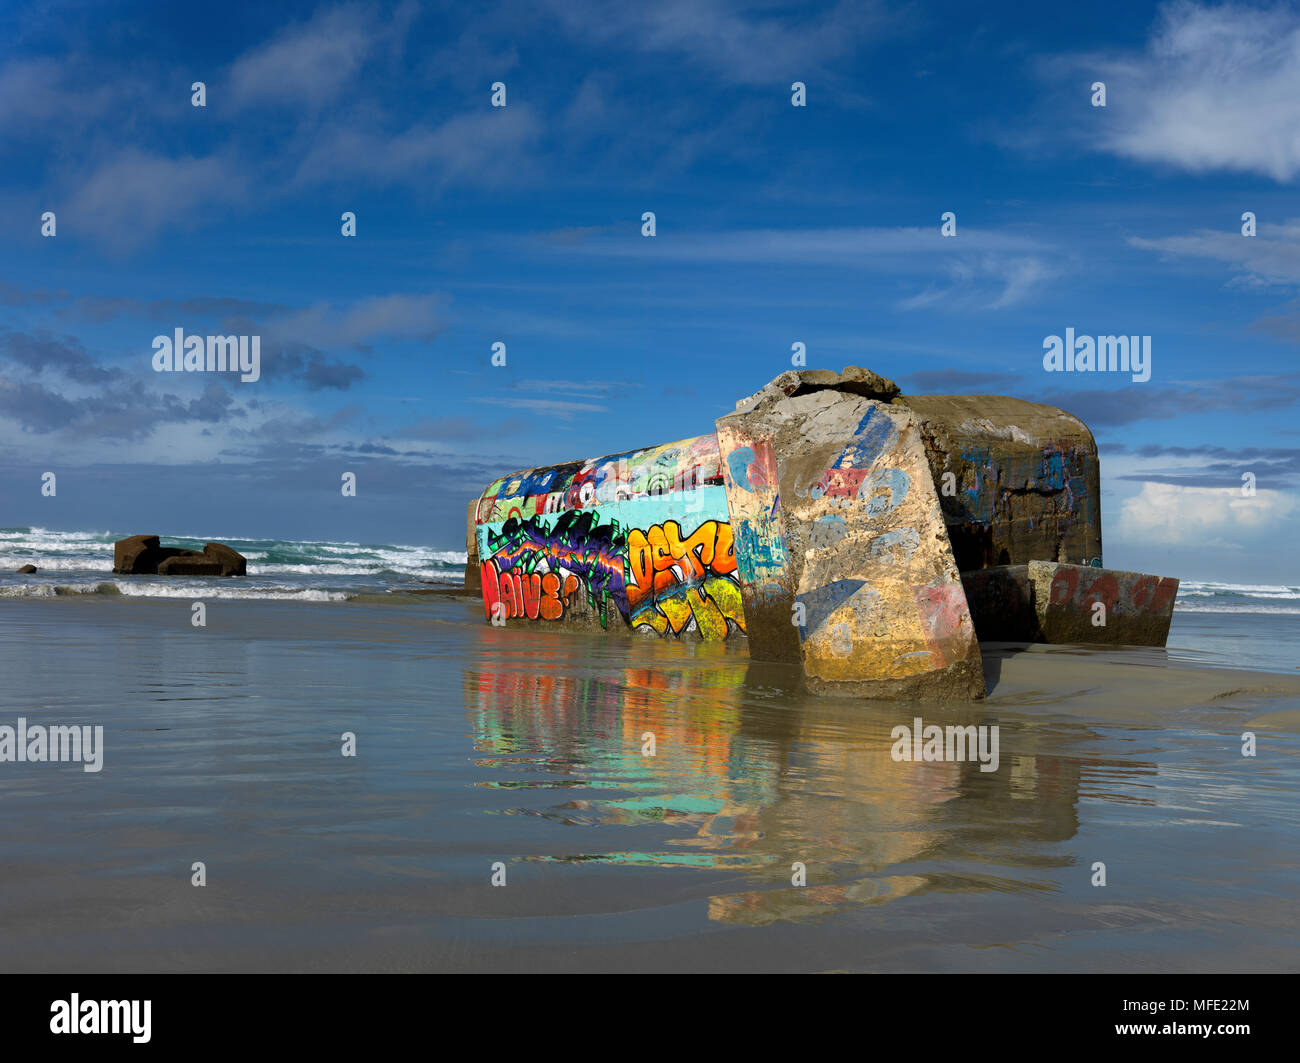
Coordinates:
658 577
636 474
533 567
677 582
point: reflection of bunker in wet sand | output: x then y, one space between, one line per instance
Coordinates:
741 784
867 535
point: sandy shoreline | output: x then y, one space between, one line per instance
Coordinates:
480 745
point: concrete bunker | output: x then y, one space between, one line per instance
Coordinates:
830 520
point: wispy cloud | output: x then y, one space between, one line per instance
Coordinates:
463 429
992 282
486 147
560 408
1203 466
727 39
982 269
311 63
1129 404
126 200
866 247
602 388
1271 257
395 316
1214 89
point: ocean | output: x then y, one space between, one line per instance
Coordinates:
296 570
278 569
516 756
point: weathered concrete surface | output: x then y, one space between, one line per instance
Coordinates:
852 380
1045 601
878 605
473 577
1018 481
767 586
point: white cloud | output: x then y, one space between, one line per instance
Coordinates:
991 282
830 247
984 268
134 194
717 35
478 148
308 63
391 316
1210 517
1215 89
36 92
1272 257
559 408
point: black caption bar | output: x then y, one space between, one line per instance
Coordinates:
345 1012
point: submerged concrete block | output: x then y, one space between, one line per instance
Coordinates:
139 553
1045 601
232 562
189 563
1001 603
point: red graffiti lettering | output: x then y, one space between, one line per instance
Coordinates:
1164 594
842 483
550 607
510 596
491 589
1142 591
531 592
1103 589
1064 584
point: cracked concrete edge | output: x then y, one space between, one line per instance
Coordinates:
851 380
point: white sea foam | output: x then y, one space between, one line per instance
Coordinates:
175 589
1245 607
1255 590
209 590
78 563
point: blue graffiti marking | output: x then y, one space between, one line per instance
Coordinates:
896 481
820 603
908 539
827 531
874 434
738 463
1053 474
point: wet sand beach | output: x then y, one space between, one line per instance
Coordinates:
477 745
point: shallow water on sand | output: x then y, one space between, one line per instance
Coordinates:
477 745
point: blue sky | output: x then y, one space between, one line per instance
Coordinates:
522 224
